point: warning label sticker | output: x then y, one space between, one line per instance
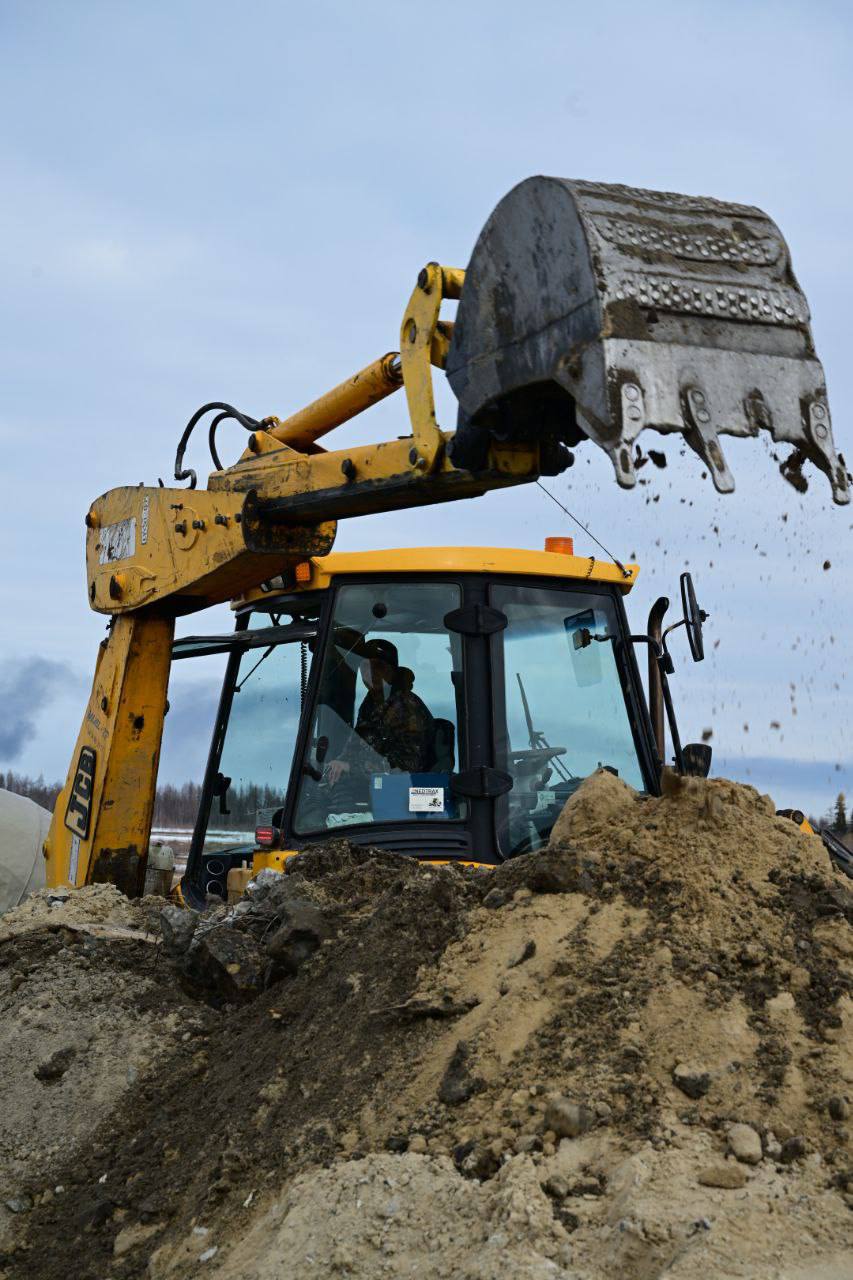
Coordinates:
426 799
118 541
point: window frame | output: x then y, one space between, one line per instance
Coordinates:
482 707
236 648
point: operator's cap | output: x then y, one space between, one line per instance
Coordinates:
382 651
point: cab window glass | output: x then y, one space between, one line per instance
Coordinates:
260 739
563 707
385 733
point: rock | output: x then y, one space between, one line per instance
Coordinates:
729 1176
476 1161
745 1144
561 869
54 1067
495 898
772 1146
136 1233
527 952
557 1187
587 1185
418 1143
793 1149
457 1084
692 1080
19 1204
301 932
838 1108
229 963
568 1119
750 956
445 1006
783 1003
177 928
266 878
554 871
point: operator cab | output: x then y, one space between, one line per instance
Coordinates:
441 703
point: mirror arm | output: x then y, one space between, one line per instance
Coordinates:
682 622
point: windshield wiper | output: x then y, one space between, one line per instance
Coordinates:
238 688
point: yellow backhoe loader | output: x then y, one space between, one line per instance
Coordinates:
441 702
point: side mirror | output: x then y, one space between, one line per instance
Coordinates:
697 759
586 660
693 618
220 790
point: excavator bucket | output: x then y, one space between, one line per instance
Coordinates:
596 310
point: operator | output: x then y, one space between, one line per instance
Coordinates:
392 723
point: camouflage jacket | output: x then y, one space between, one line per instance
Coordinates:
399 729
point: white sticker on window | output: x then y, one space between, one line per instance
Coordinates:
426 799
118 541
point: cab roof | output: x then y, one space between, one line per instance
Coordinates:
317 573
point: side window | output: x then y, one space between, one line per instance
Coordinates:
195 686
259 744
562 708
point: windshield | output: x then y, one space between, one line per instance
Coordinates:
563 712
384 738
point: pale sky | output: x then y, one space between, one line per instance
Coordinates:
207 201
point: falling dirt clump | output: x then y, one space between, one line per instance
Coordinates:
627 1055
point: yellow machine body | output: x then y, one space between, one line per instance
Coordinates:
556 341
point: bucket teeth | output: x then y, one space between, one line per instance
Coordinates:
646 309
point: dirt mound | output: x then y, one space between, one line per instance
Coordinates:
96 904
86 1013
398 1216
628 1055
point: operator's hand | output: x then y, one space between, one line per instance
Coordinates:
335 770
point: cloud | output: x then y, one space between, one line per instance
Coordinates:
26 689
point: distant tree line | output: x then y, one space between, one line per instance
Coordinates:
837 820
44 793
175 806
178 806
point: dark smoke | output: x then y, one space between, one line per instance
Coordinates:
26 688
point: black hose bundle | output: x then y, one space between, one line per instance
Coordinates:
225 411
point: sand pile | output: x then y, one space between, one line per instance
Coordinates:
627 1056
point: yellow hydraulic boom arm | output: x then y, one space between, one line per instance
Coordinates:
154 554
589 312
